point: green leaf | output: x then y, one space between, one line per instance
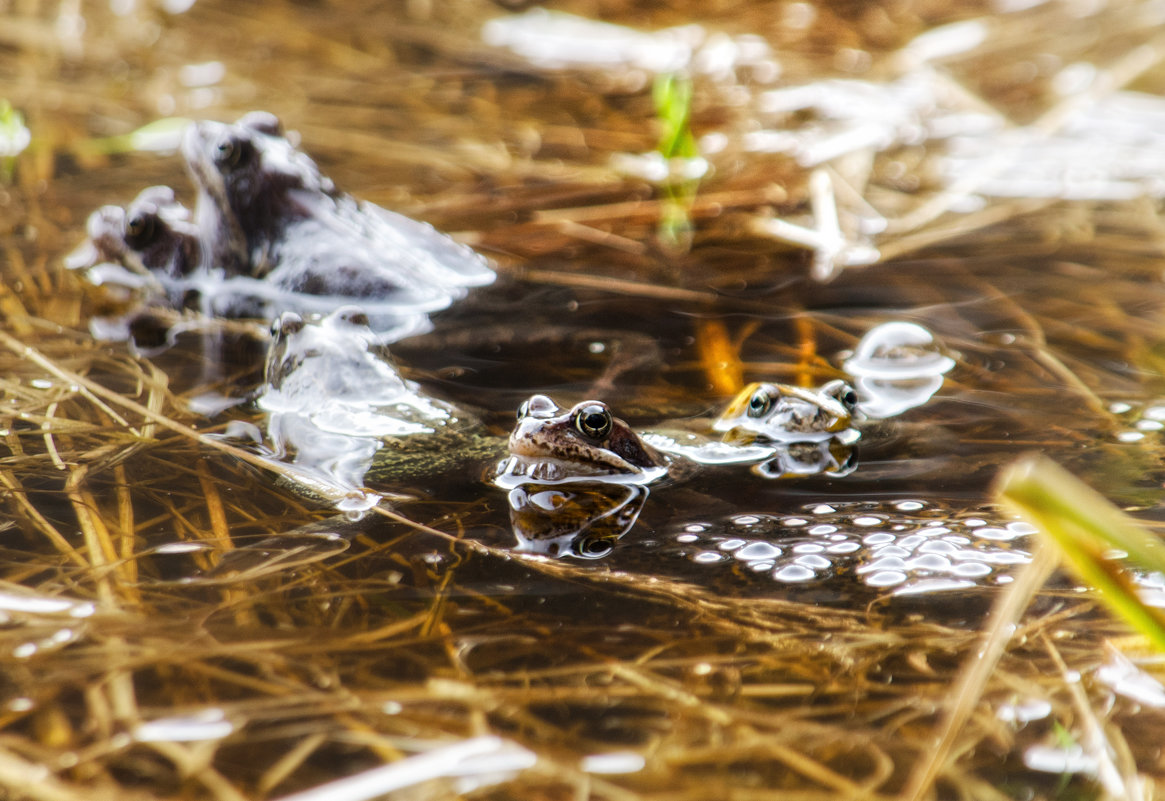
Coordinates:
1084 526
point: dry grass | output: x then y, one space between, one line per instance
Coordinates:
152 574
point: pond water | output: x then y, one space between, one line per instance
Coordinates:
180 622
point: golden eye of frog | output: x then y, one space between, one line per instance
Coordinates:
586 442
784 413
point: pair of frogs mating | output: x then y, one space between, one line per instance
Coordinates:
270 232
333 372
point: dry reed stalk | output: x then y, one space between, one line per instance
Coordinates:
959 705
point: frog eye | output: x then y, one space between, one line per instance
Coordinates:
843 392
524 409
593 420
760 403
232 153
139 230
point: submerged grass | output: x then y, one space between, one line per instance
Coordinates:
171 629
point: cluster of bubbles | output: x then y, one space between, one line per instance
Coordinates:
900 545
1139 419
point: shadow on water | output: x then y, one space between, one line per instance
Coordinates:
179 623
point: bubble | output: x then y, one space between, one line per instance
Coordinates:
822 509
930 561
732 545
971 569
794 573
821 530
758 550
886 578
878 538
794 521
908 506
937 546
746 520
843 547
709 557
686 538
808 547
867 521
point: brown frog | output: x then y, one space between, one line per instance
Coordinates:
551 444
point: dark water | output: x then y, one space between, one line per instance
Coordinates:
757 635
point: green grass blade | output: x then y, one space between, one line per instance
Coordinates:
1084 525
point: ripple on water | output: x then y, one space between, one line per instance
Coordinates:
895 545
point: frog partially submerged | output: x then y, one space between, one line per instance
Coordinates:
787 413
266 212
778 429
551 444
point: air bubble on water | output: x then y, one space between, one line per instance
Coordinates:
1021 527
794 573
886 578
708 557
909 506
971 569
758 550
794 521
1154 413
843 547
911 542
686 538
867 521
732 545
822 530
930 561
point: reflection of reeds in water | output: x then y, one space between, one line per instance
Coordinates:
151 575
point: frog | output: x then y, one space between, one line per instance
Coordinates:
779 430
151 243
551 444
265 211
771 412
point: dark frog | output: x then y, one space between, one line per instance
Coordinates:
150 243
266 212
